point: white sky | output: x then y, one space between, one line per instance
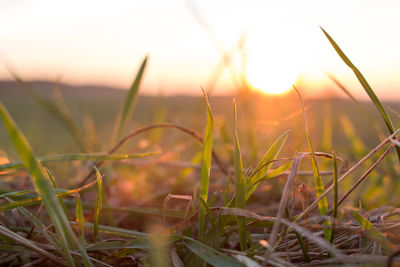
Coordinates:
103 42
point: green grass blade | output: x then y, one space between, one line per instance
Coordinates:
116 231
373 232
240 199
319 185
302 244
98 205
130 100
41 183
210 255
42 186
51 177
82 157
262 168
271 154
18 194
273 173
365 85
205 169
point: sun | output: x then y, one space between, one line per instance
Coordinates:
274 58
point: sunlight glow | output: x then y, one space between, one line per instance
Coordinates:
275 58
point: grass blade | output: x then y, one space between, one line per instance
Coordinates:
51 177
271 174
205 169
116 231
240 199
80 218
82 157
335 193
319 185
98 205
130 100
43 187
210 255
373 232
262 168
365 85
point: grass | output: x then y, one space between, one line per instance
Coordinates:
295 207
205 169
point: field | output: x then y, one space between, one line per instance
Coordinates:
98 176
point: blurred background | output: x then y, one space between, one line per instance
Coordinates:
274 44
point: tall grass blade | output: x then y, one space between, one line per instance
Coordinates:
130 100
205 169
365 85
98 205
210 255
319 185
43 187
373 232
240 199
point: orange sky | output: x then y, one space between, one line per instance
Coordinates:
103 42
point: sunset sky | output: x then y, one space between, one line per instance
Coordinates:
103 42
